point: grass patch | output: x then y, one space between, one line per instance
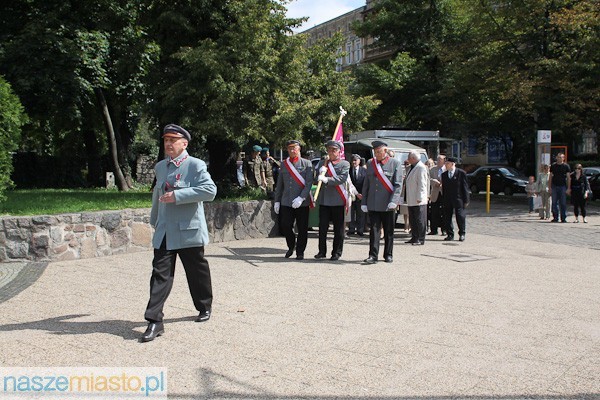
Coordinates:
60 201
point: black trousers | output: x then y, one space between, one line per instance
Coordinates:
357 218
335 214
379 219
163 272
287 217
437 215
460 219
417 216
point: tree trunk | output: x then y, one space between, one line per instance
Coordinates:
112 142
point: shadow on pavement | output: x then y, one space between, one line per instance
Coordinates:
64 326
210 380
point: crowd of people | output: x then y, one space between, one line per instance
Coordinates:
260 170
369 196
362 196
548 193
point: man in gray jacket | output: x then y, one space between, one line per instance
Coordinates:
182 185
292 199
333 199
381 196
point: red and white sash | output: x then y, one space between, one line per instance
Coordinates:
340 188
297 177
381 176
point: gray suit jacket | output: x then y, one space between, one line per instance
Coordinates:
435 180
288 189
182 222
329 195
375 195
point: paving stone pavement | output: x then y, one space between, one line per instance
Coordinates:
515 317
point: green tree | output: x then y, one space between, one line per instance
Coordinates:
491 69
247 79
78 66
12 118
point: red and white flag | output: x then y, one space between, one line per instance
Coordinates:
339 137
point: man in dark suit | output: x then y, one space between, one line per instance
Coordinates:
456 198
357 217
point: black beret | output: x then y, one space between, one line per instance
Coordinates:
378 143
292 142
355 157
172 128
451 159
333 143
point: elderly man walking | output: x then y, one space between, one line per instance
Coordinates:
381 196
417 195
182 185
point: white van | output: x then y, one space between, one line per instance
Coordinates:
401 148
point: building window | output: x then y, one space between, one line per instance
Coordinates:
357 55
472 146
348 53
588 143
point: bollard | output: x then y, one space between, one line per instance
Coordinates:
488 181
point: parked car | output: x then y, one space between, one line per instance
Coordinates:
503 179
591 171
595 186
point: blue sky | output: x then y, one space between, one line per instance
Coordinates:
320 11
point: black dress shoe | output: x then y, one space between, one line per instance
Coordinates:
154 329
448 238
334 258
410 241
320 255
418 243
461 238
432 233
203 316
371 260
289 253
361 234
299 256
388 259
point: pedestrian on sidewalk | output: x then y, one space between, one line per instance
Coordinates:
381 196
292 199
182 185
456 198
436 196
333 199
580 189
543 190
357 217
530 189
417 194
560 187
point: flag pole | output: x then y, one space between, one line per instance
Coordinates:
342 114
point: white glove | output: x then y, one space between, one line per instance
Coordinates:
276 207
364 209
392 206
323 179
297 202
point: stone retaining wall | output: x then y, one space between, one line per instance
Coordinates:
103 233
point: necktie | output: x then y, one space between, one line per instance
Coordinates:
450 174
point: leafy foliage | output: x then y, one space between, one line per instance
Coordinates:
12 118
